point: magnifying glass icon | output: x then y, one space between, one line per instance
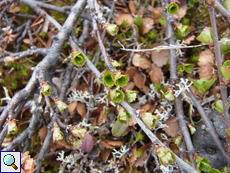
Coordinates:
9 160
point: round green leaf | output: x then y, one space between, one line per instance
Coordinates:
172 8
122 80
108 79
78 59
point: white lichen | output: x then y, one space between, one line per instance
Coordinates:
123 150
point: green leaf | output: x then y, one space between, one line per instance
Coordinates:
162 21
183 30
78 132
188 67
77 31
78 59
213 170
166 157
224 45
206 36
149 119
108 78
180 69
138 22
46 89
123 115
203 164
225 69
140 137
122 80
140 152
119 129
117 96
116 64
202 85
224 170
178 140
228 131
130 95
172 8
219 106
112 29
169 95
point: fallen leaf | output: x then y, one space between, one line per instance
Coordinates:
189 39
139 80
72 107
132 122
105 154
181 12
29 166
172 128
87 143
107 143
156 75
42 133
131 72
147 25
140 160
206 72
102 117
122 17
157 14
133 158
160 58
14 9
132 7
26 40
81 109
206 57
130 85
140 61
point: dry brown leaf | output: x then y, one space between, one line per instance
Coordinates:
132 7
206 57
28 164
139 80
131 72
42 133
105 154
14 9
72 107
172 128
147 25
132 122
189 39
140 61
38 21
50 35
181 12
140 160
157 14
207 72
133 158
160 58
156 74
130 85
81 109
149 107
121 17
102 117
107 143
26 40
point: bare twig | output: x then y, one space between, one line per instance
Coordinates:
173 81
210 129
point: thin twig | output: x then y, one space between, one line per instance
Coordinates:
210 129
173 81
219 61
